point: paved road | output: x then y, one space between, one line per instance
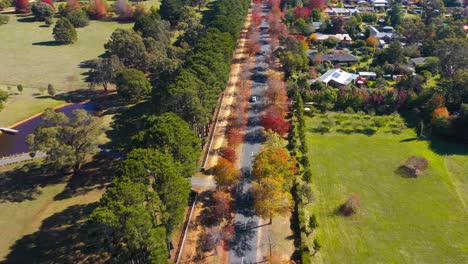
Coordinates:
244 244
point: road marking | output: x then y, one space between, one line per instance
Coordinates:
242 260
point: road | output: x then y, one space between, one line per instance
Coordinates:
244 246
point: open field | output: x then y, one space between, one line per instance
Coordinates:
43 215
401 220
29 56
20 106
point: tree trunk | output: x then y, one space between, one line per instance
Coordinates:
77 168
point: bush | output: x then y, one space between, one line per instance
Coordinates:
78 18
49 21
351 205
349 110
307 177
42 11
305 255
4 19
322 129
416 165
64 32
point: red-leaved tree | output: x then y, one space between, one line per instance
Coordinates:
72 5
228 153
234 137
301 12
49 2
97 9
22 6
123 9
273 119
317 4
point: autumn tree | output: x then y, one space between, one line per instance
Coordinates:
276 93
372 41
228 153
98 9
123 9
22 6
414 165
3 98
275 163
351 205
317 4
66 140
271 198
227 174
222 203
234 137
273 119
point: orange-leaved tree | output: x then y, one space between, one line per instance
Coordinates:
275 163
226 174
271 199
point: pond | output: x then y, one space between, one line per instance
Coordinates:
12 144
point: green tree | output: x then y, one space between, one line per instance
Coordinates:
171 135
172 188
20 88
42 11
171 10
51 90
64 32
128 45
453 55
67 140
317 246
103 71
395 15
78 18
130 217
3 98
151 26
132 84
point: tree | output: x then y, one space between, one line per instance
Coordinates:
78 18
66 140
20 88
171 135
123 9
129 47
395 15
222 203
22 6
103 71
172 188
272 119
42 11
313 222
338 24
72 5
317 4
234 137
98 9
453 55
432 9
226 174
274 140
132 84
171 10
372 41
129 216
3 98
51 90
152 26
64 32
275 163
228 153
271 199
317 246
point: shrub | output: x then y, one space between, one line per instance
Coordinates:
49 21
78 18
349 110
42 11
351 205
416 165
64 32
51 90
305 255
4 19
307 175
20 88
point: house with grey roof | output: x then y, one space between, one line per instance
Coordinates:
337 78
334 58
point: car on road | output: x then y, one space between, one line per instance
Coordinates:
253 99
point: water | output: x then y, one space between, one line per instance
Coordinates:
11 144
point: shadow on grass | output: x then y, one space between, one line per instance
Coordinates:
24 183
26 18
62 238
96 174
443 147
408 139
49 43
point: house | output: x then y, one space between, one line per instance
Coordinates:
317 25
337 11
334 58
368 75
363 9
337 78
344 38
417 61
385 36
379 3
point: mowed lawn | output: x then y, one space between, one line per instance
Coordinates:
401 220
31 58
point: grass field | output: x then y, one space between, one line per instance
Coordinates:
29 56
401 220
42 219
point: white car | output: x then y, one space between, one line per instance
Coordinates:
253 99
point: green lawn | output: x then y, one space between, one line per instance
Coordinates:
401 220
30 58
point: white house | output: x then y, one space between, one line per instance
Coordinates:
337 78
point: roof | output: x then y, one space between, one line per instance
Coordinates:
336 57
418 61
376 33
341 37
338 76
367 74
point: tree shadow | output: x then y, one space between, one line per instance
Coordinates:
62 238
243 235
244 203
24 183
208 216
255 136
443 147
408 139
404 172
26 19
96 174
50 43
